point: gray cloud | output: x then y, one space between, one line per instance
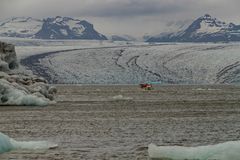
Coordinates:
95 8
123 16
131 8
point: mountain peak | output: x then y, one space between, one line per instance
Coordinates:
63 19
206 24
213 21
203 29
207 16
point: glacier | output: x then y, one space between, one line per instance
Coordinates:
8 144
95 62
222 151
134 64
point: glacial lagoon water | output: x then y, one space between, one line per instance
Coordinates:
89 122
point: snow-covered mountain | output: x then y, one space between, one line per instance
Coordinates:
203 29
23 27
68 28
50 28
122 38
167 28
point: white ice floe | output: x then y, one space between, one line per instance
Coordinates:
121 97
223 151
8 144
206 89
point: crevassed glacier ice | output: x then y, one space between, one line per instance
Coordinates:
223 151
8 144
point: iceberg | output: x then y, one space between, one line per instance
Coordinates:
5 144
121 97
8 144
19 88
224 151
14 95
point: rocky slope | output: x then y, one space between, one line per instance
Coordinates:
203 29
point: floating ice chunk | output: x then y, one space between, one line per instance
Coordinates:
8 144
223 151
121 97
206 89
5 144
33 145
118 97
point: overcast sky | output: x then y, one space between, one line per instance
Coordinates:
133 17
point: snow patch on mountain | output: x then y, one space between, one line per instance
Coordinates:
20 27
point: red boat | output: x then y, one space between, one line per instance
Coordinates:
146 86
